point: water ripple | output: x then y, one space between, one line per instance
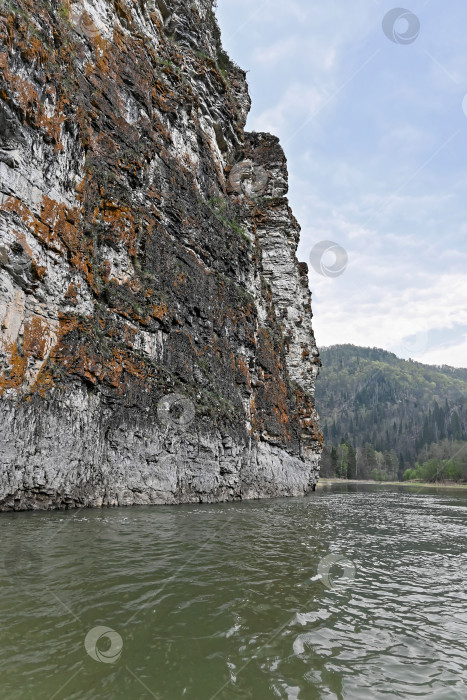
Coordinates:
230 601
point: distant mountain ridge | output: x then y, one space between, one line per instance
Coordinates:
381 415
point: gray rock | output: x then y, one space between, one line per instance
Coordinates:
147 259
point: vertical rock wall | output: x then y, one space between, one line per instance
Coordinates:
156 343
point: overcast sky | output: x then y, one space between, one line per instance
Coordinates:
374 127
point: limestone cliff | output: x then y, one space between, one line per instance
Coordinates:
155 325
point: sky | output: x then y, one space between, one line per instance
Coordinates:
371 109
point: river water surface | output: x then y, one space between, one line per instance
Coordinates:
357 592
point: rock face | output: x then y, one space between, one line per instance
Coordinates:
155 325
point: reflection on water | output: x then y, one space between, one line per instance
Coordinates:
356 592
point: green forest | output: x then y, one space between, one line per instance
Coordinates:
389 419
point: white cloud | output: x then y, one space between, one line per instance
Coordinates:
454 355
373 170
368 314
271 54
298 100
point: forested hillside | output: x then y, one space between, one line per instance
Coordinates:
388 418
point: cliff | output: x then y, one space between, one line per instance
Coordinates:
156 343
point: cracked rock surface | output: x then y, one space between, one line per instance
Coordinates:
156 343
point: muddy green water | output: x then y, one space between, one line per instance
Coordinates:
356 592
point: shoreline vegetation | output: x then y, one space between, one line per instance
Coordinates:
387 419
423 484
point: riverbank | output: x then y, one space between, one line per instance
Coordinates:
423 484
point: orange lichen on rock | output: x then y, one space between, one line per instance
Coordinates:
120 221
276 393
43 384
13 376
243 373
72 294
35 342
23 354
126 281
62 225
57 228
80 354
308 417
27 98
159 310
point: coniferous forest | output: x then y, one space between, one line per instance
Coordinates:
389 419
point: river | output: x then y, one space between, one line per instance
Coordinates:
357 592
